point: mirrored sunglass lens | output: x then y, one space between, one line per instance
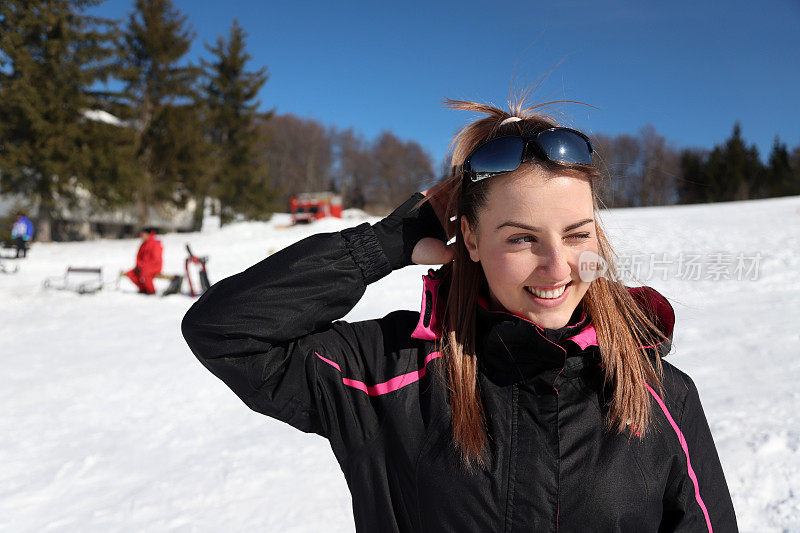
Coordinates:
565 146
500 155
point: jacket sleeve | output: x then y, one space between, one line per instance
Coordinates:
698 498
272 333
266 331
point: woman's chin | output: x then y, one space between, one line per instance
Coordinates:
552 319
551 324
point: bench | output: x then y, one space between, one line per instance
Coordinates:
11 245
83 280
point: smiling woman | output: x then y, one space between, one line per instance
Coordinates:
529 247
528 394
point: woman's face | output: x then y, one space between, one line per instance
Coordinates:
529 237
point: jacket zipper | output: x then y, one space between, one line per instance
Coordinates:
512 460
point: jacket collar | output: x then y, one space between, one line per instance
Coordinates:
506 340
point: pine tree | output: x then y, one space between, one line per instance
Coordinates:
161 98
734 171
754 172
692 186
779 174
238 180
728 175
51 55
793 187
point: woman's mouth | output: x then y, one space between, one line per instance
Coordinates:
549 298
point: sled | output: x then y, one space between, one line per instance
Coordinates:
4 269
83 280
175 282
199 264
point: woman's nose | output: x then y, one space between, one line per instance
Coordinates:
555 263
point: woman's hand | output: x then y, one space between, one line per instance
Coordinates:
430 251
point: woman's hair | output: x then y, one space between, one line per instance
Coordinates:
623 327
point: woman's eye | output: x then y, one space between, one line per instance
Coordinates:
531 238
578 236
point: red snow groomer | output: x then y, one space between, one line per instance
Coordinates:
310 206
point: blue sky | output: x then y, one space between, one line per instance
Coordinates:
689 68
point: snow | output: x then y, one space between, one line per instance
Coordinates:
102 116
109 423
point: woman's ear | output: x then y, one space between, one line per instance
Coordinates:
470 239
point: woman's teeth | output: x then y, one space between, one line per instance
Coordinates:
548 294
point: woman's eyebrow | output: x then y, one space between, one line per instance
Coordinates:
514 224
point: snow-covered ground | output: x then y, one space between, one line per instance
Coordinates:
109 423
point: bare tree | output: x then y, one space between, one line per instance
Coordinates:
356 166
618 160
641 170
400 169
298 154
301 155
660 166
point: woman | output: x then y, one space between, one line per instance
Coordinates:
525 396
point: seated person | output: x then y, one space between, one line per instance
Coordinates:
22 233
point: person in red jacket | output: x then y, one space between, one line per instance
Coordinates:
148 262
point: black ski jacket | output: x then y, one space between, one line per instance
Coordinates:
375 390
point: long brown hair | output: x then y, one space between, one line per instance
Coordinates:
623 328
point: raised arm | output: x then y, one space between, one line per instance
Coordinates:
261 331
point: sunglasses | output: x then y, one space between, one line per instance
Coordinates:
505 154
